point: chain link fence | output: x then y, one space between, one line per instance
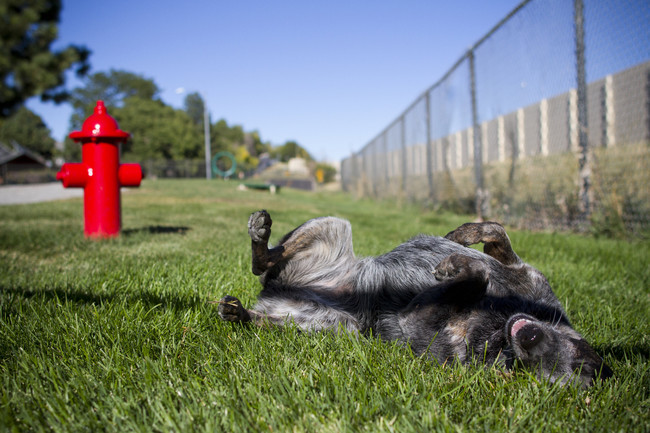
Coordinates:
180 168
173 169
543 123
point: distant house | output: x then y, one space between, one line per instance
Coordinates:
20 165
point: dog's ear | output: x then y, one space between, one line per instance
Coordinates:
492 235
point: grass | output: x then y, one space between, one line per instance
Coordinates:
121 335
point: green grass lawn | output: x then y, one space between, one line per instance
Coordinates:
121 335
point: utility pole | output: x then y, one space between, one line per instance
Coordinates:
206 131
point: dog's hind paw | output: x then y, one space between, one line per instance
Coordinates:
259 226
231 310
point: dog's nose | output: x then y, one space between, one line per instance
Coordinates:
530 336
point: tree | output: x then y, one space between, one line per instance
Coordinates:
27 129
289 150
194 107
245 146
226 138
28 66
158 131
254 144
245 161
113 88
327 172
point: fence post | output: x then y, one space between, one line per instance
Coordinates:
404 155
543 127
387 162
481 193
609 114
428 150
501 138
583 138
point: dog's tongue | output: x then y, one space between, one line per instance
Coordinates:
517 326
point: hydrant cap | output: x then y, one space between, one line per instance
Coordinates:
99 125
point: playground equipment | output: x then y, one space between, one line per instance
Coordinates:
224 173
100 173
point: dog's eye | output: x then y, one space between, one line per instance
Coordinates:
530 336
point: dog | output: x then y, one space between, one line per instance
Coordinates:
434 294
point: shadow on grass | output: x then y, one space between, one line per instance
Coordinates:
157 230
166 301
624 352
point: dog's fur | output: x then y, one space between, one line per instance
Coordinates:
433 293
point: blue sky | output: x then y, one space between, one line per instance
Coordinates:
328 74
332 74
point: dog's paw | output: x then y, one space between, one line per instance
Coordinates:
460 267
259 226
451 267
231 309
468 234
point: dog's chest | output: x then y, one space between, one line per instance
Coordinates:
453 337
470 335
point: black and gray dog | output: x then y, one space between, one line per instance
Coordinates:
433 293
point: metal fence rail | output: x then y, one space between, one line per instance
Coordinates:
544 122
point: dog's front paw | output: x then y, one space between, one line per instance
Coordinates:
259 226
460 267
231 310
451 267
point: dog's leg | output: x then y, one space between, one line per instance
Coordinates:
307 318
467 278
231 310
331 234
259 229
492 235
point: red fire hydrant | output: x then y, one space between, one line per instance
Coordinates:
100 173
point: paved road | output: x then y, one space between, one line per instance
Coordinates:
35 193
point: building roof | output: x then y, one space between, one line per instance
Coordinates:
17 154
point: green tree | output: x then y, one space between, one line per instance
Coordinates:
289 150
328 172
245 146
28 129
255 145
194 107
226 138
245 161
28 66
157 131
113 88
